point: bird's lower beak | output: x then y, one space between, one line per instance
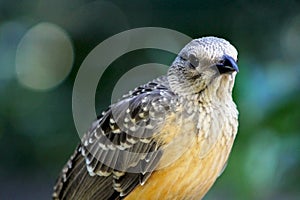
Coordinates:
228 65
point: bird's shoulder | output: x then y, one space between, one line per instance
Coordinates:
123 141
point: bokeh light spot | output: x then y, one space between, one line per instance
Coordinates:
44 57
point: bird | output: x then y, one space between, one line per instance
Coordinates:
167 139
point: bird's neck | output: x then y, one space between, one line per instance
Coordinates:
218 92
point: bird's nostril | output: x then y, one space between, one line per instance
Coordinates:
227 65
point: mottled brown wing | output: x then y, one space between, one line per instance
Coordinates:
120 150
76 183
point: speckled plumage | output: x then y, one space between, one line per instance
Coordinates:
167 139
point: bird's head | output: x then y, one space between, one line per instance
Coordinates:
206 64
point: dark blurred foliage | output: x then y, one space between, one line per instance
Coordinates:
37 132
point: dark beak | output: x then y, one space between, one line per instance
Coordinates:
227 65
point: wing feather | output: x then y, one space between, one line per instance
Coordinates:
120 151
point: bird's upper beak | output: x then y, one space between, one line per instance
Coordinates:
227 65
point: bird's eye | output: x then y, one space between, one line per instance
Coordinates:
194 62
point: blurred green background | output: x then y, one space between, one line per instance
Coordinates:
37 132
